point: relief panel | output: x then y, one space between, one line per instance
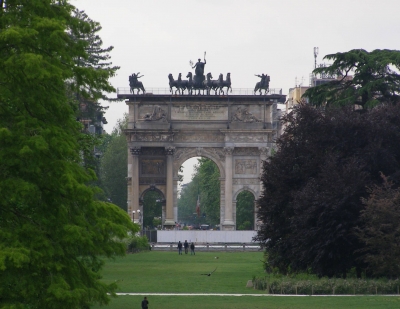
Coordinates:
152 167
245 167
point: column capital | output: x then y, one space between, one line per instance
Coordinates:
169 151
135 151
263 151
228 151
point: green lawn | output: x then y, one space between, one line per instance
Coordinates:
168 272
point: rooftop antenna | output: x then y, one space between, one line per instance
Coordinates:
316 51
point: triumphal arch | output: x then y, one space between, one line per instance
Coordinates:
237 132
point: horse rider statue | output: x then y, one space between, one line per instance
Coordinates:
263 84
134 83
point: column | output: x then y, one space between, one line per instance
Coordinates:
228 223
169 211
135 151
264 152
129 184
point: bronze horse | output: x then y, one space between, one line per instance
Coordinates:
224 83
210 84
180 85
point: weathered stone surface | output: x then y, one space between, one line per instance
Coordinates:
236 132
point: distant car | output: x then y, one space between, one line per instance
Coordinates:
204 227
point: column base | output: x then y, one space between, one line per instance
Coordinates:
228 226
169 224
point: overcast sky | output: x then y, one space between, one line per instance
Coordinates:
243 37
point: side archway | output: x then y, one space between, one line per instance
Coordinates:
245 209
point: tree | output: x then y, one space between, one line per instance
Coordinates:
52 229
151 208
113 165
314 183
206 185
380 230
245 211
362 78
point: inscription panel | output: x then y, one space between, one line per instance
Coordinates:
199 112
245 166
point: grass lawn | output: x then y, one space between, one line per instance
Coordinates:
168 272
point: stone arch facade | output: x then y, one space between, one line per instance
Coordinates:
236 132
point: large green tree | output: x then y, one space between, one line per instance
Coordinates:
52 229
313 185
113 165
360 78
205 184
245 211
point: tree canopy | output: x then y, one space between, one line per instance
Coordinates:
113 165
360 78
52 228
313 185
205 184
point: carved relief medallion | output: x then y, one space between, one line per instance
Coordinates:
245 166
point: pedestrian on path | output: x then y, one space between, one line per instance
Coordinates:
145 303
186 245
180 248
192 249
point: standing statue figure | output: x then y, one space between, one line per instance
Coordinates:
263 84
199 78
134 83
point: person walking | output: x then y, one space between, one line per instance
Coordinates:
186 245
192 249
179 247
145 303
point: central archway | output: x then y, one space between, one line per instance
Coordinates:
199 199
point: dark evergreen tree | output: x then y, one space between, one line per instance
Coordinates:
313 185
379 231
